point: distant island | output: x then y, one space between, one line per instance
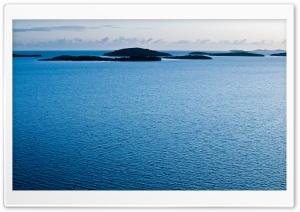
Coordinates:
190 57
129 54
97 58
136 52
279 54
140 54
267 52
116 59
27 55
232 53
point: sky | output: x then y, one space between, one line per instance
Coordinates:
152 34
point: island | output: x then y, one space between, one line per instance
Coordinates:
136 52
190 57
97 58
232 53
199 53
279 54
27 55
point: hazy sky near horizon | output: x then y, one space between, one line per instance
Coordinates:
153 34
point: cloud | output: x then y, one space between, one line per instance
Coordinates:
268 42
104 40
226 42
239 41
77 43
111 26
62 43
63 28
126 42
131 41
159 41
182 42
57 28
202 41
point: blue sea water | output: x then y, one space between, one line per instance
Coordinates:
170 125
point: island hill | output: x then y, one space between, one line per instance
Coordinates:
128 54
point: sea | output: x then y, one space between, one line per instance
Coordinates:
215 124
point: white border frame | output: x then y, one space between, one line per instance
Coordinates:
147 198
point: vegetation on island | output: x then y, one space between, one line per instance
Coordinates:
139 54
199 53
97 58
190 57
136 52
231 53
279 54
27 55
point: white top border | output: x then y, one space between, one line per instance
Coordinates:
147 11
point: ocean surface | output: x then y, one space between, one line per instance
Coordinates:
215 124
